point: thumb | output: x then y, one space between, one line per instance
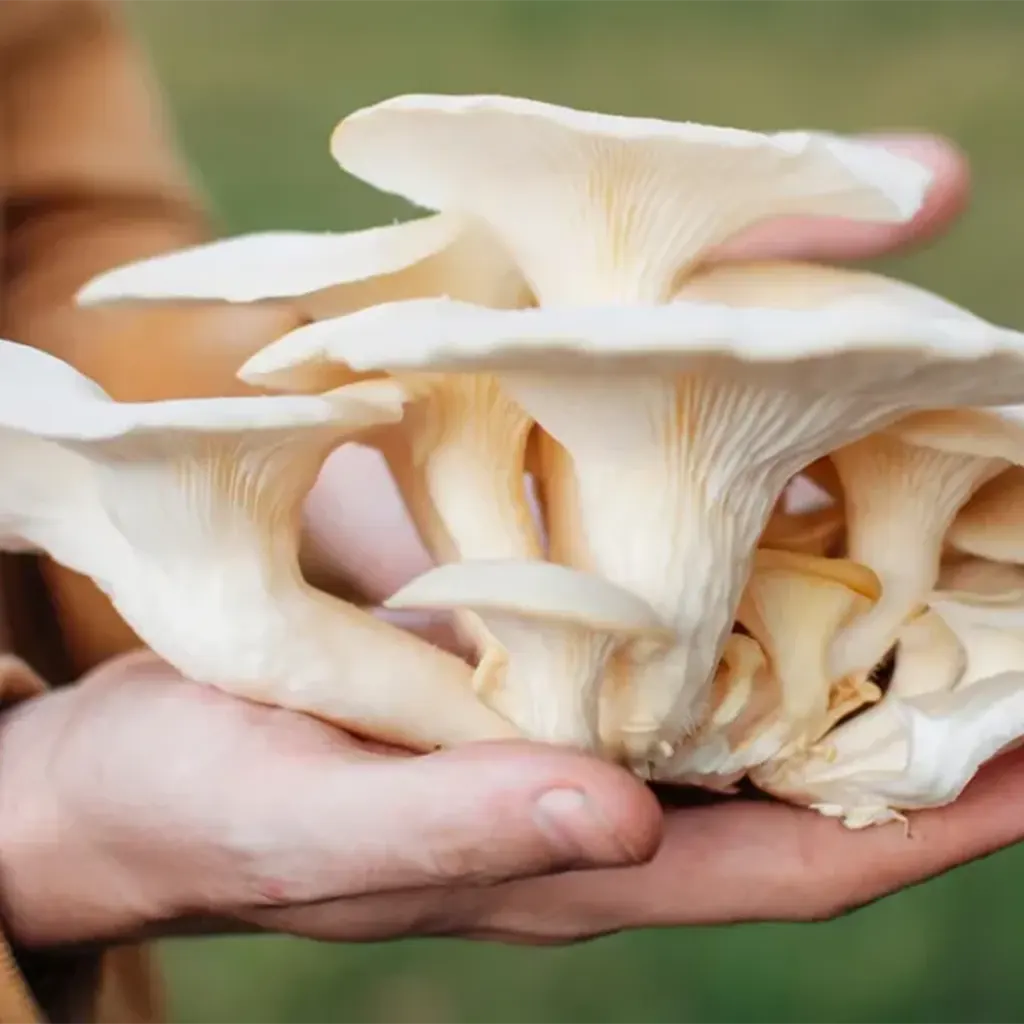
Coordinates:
477 814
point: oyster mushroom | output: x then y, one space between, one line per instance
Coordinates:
677 427
326 273
186 514
557 629
900 499
595 207
794 605
991 524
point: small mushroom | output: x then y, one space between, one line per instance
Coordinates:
900 498
554 629
186 513
596 207
793 605
680 425
991 524
325 273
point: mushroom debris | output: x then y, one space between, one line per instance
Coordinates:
777 536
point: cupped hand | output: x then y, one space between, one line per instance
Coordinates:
138 803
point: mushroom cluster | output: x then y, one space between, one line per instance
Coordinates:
553 327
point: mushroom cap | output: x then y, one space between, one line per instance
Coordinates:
532 590
826 331
44 396
460 152
276 264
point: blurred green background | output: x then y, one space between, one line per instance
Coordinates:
256 87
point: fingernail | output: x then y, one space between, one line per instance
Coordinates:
578 828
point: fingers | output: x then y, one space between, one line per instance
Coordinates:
747 861
827 238
466 817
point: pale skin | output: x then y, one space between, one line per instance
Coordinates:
162 807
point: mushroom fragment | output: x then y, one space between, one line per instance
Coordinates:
556 630
900 499
916 748
326 274
682 424
905 754
597 207
186 513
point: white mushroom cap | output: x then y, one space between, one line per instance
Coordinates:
591 204
186 514
672 414
442 254
557 629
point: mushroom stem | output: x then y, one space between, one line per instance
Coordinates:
674 482
187 514
458 459
900 500
554 631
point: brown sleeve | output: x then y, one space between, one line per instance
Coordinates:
89 179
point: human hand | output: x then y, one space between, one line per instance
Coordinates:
136 803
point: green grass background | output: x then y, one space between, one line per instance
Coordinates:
256 87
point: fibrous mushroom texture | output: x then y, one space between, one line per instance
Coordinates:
681 424
605 208
555 631
186 513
